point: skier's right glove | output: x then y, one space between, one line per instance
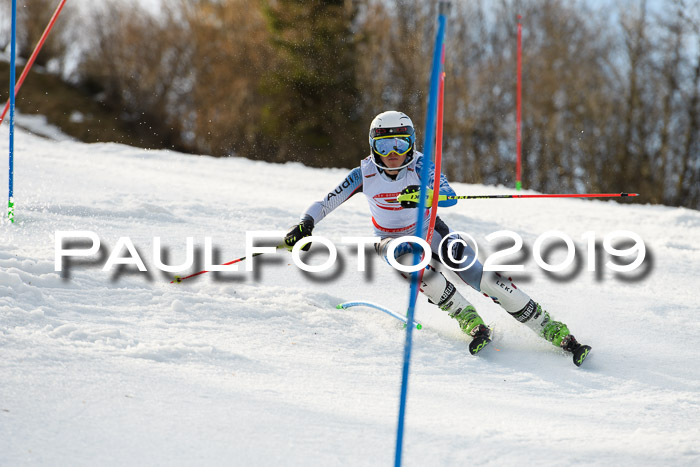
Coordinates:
299 231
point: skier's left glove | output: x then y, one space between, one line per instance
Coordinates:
411 189
299 231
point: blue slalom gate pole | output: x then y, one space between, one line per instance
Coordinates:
429 144
13 53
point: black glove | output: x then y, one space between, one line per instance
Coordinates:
299 231
407 190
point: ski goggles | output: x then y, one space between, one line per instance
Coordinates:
385 145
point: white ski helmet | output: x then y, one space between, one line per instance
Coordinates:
389 132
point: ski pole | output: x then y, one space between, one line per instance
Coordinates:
413 197
179 279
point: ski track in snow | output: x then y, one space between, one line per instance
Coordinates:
122 367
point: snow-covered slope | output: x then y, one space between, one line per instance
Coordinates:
124 368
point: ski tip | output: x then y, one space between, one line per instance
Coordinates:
581 354
339 306
477 345
419 326
177 280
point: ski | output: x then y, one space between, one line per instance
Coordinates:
580 354
478 343
481 340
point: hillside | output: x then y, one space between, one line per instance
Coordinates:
121 367
79 111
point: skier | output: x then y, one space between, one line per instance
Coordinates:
394 167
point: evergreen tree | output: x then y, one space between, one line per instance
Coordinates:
312 108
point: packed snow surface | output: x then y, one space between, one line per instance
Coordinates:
121 367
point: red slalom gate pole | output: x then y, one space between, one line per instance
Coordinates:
518 130
438 156
438 151
31 60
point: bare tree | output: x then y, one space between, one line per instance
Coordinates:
32 18
395 42
141 63
231 52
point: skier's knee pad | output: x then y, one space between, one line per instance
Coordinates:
434 285
503 291
400 252
456 254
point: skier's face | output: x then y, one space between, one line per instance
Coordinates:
394 160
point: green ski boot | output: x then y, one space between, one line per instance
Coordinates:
558 334
471 323
533 316
554 331
467 318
